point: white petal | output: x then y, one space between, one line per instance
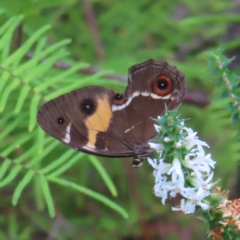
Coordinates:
204 206
167 139
156 146
178 145
153 162
157 127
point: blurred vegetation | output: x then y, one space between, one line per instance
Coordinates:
91 196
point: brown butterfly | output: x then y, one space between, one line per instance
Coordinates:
98 121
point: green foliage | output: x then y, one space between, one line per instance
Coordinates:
224 108
227 84
21 94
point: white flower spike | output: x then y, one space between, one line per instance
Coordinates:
183 168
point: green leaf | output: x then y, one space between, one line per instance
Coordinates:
38 193
22 97
23 183
47 196
33 112
40 140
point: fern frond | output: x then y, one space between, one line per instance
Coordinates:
6 32
26 83
47 196
54 178
90 193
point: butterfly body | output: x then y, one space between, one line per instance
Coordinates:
96 120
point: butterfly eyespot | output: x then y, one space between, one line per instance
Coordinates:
60 120
88 106
162 85
118 99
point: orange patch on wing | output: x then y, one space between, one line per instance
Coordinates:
99 121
